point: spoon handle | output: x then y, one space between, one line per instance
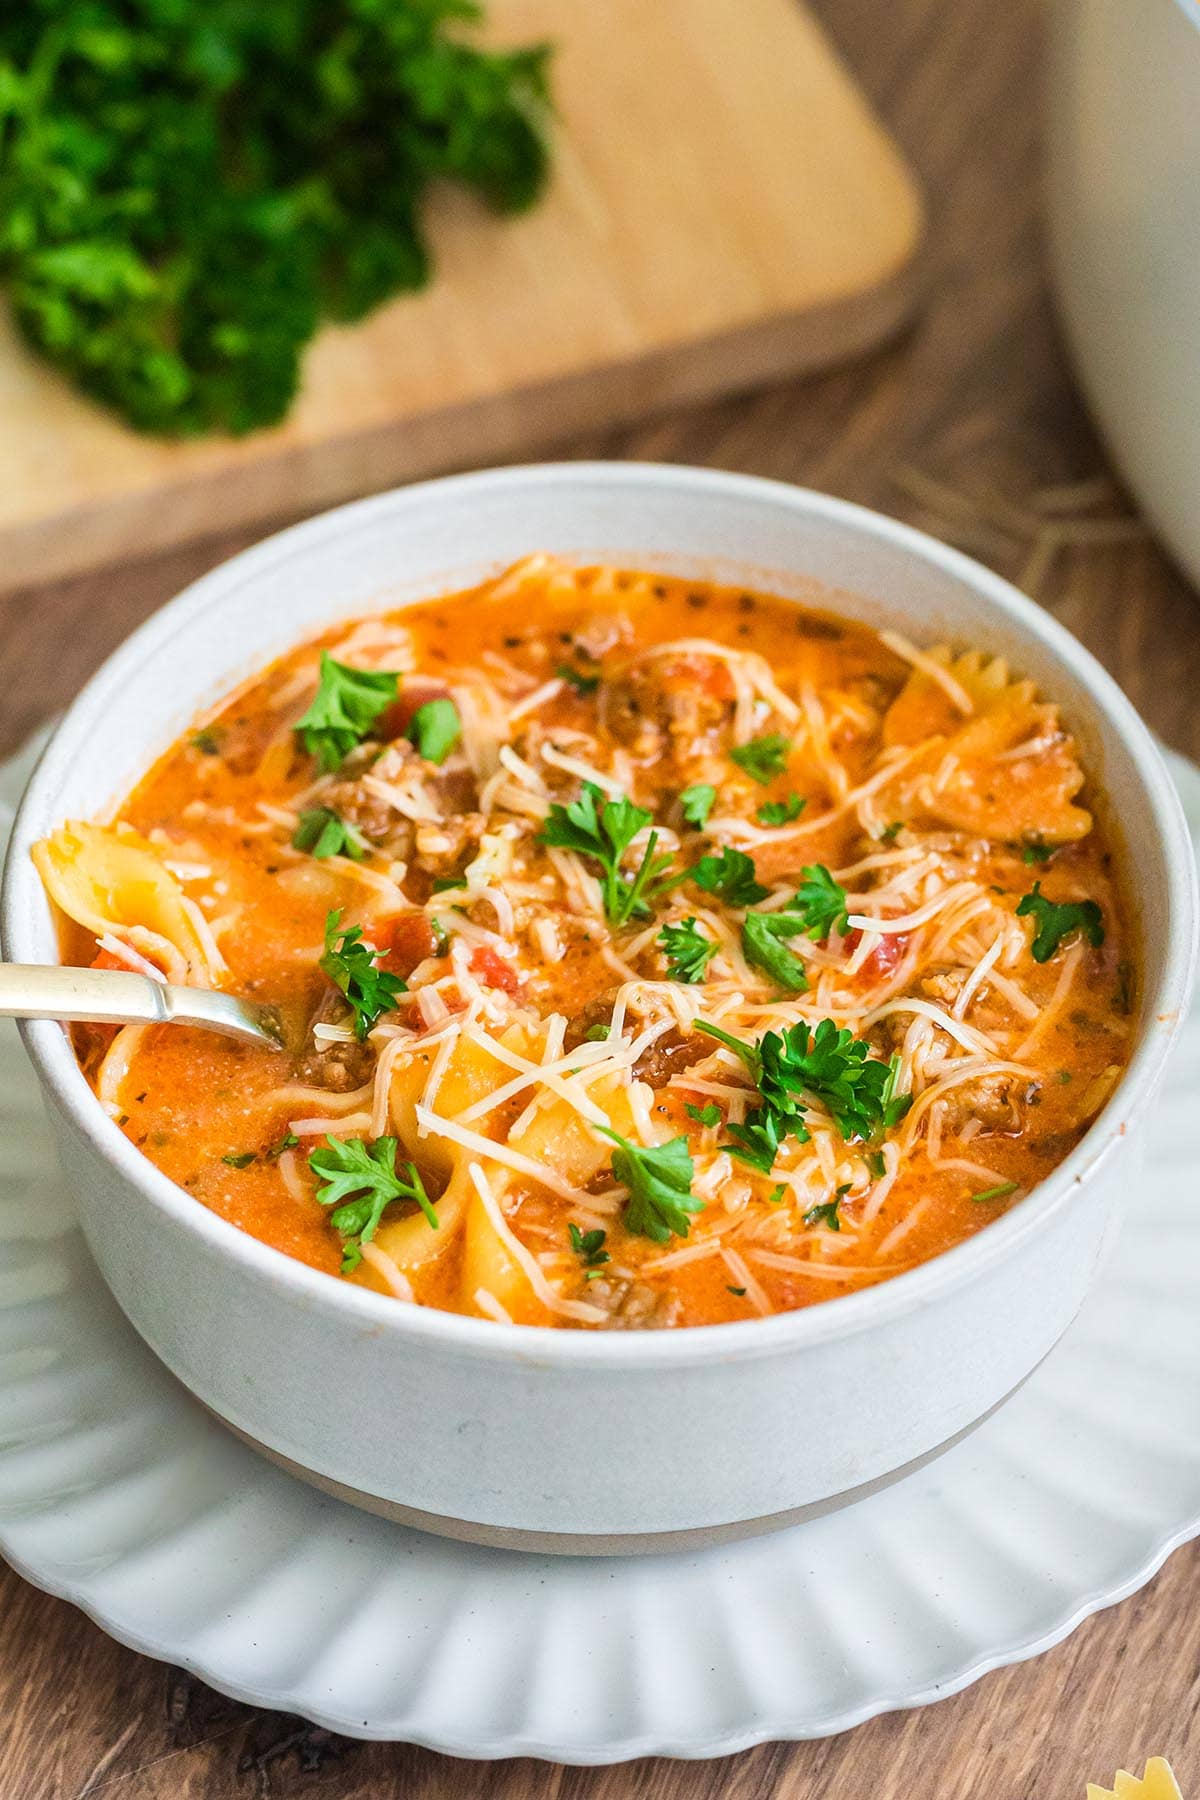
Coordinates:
122 997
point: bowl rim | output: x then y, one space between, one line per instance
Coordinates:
452 1334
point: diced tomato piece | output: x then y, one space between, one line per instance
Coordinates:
494 970
884 959
407 941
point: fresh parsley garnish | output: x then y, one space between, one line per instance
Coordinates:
891 832
703 1115
820 902
348 1167
826 1064
781 812
1035 851
1001 1191
240 1159
763 947
288 1141
659 1180
352 967
603 830
739 1293
731 876
1054 921
189 188
696 802
435 728
828 1214
588 1246
206 742
325 833
344 708
596 1034
762 758
687 950
576 678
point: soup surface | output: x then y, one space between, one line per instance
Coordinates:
648 953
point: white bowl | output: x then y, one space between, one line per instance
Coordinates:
1123 140
612 1440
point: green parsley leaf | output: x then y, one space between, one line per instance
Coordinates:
1053 921
344 708
596 1034
583 684
876 1164
688 951
659 1180
288 1141
703 1115
603 830
241 1160
352 967
206 742
588 1246
781 812
821 902
763 949
189 188
1000 1192
891 832
738 1291
829 1214
326 833
731 876
775 1197
826 1064
348 1167
1037 852
435 728
762 758
697 802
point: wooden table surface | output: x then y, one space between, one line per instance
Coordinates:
969 426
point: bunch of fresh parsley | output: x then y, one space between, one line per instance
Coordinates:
187 187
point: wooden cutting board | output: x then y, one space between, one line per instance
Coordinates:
725 210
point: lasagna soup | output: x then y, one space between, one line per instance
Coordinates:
647 952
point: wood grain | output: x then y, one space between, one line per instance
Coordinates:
724 209
977 398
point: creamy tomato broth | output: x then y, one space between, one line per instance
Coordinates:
649 953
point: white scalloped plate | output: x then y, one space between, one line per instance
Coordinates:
120 1494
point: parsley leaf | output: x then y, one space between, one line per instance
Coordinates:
206 742
704 1115
188 188
697 802
344 708
731 876
761 935
762 758
351 966
659 1180
588 1246
603 829
435 728
687 949
826 1064
891 832
241 1160
583 684
828 1214
1053 921
326 833
348 1167
781 812
821 902
1035 851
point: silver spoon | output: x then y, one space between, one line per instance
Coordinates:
120 997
